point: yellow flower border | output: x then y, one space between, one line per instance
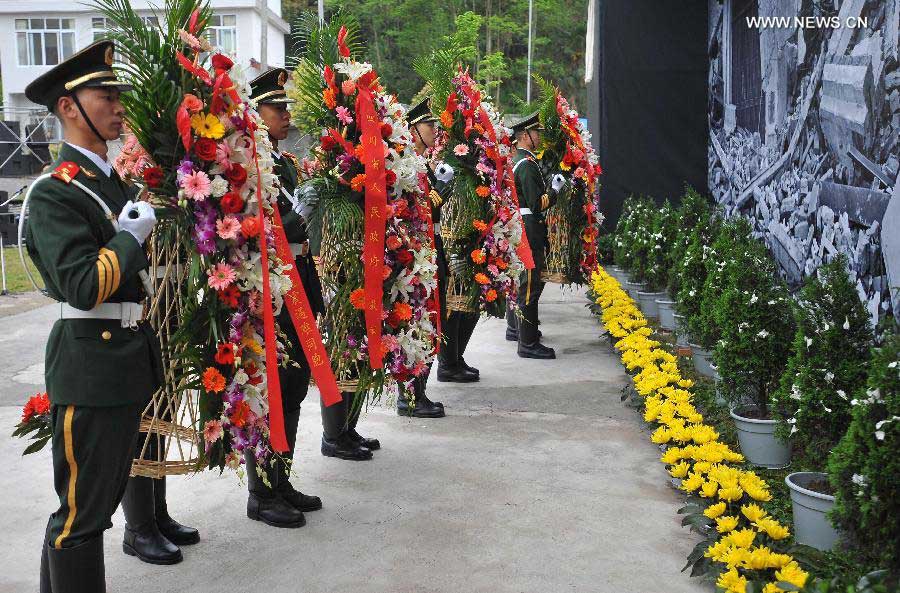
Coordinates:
706 467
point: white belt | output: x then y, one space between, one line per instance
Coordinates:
437 227
300 249
128 313
524 211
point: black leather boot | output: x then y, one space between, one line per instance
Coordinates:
422 407
370 444
512 325
263 503
79 569
466 329
302 502
142 536
336 439
175 532
536 350
46 586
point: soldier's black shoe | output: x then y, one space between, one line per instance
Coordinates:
423 408
345 448
471 369
79 569
274 511
536 350
456 375
302 502
150 546
370 444
175 532
512 335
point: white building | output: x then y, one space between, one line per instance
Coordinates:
36 34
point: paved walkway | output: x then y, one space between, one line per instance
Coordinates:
539 480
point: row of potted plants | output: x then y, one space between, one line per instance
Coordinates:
796 370
744 548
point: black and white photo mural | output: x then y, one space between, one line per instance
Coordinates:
804 122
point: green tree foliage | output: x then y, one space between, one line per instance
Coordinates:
661 237
732 239
754 322
693 210
496 31
865 469
691 272
827 367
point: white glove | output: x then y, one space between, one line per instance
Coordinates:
305 200
444 173
138 219
558 182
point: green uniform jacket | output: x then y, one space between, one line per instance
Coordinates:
532 192
85 262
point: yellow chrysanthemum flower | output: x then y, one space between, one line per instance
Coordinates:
732 582
692 482
726 523
772 588
793 574
759 494
715 510
736 557
758 559
753 512
772 528
661 435
742 538
709 489
731 494
680 470
779 560
207 125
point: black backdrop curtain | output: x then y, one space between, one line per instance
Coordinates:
652 77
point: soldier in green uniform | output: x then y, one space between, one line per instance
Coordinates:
534 199
421 124
102 362
279 504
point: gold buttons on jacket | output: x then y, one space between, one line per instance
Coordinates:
106 335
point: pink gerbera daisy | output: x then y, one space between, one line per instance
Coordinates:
460 150
196 185
212 431
343 115
221 276
228 227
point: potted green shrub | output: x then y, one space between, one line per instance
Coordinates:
692 275
864 467
639 244
656 270
622 243
731 240
755 329
694 210
827 367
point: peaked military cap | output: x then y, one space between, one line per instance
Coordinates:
421 112
528 122
268 87
90 67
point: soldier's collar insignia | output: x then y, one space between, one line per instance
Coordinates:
66 171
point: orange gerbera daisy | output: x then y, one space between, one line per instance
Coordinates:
483 191
358 298
482 278
491 296
329 98
403 311
480 225
478 256
447 119
358 182
213 380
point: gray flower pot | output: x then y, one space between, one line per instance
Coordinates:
618 273
633 288
682 337
703 361
811 524
758 442
647 301
666 313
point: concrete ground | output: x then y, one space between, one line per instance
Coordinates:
538 480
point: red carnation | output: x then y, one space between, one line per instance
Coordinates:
404 257
390 177
327 143
386 130
237 175
153 176
205 148
232 203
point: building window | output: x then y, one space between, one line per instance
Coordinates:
44 41
100 25
222 32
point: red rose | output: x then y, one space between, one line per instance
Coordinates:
237 175
232 203
153 176
327 143
390 177
386 130
221 62
205 148
404 257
